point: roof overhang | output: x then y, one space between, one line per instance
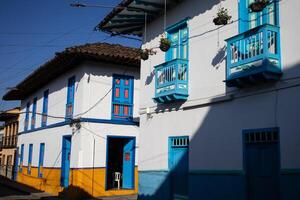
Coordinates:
9 114
71 58
128 18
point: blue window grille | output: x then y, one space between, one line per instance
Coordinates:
122 97
21 158
33 115
70 97
41 160
171 77
253 56
26 121
45 108
29 158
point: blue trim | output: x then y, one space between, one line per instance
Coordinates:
121 100
178 25
106 159
65 160
70 97
30 150
16 164
33 115
21 158
26 122
109 121
45 109
41 159
92 120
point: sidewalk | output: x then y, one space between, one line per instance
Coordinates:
11 190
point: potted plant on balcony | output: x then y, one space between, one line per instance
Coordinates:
144 53
222 17
258 5
164 44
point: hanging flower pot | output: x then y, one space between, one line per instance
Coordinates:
165 44
222 17
144 53
258 5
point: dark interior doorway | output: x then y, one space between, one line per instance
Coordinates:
120 160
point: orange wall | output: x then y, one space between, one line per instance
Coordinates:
90 180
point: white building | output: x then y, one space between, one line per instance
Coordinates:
219 110
79 121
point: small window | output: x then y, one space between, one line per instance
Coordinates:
262 136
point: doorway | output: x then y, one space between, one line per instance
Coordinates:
262 164
179 167
65 161
120 162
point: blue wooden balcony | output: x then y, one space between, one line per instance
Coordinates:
171 81
253 57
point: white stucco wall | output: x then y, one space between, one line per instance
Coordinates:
93 81
215 130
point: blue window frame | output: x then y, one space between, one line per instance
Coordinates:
29 158
33 115
45 108
178 34
122 97
70 97
171 77
41 160
250 20
21 158
254 55
26 121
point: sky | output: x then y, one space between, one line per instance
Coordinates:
31 31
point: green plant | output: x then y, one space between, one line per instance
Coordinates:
144 53
222 17
165 44
258 5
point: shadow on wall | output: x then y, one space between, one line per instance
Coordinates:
216 148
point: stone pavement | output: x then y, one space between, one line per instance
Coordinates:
11 190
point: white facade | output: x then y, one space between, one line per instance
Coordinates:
92 104
214 116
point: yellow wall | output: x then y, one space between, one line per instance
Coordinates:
90 180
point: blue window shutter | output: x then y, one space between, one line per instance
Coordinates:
33 115
249 20
122 97
21 158
70 97
45 108
29 158
26 122
41 160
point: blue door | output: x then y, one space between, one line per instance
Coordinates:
262 165
179 166
128 164
65 161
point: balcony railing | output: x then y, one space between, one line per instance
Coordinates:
254 56
9 141
171 81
